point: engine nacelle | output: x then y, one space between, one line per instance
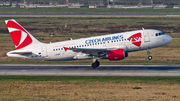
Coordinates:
126 54
118 54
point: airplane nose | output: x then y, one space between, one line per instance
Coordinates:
169 39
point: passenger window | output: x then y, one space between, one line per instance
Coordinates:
53 49
157 34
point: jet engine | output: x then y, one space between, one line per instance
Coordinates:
118 54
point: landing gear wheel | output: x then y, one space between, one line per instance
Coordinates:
150 57
95 64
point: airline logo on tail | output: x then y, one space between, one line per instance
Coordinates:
19 35
136 39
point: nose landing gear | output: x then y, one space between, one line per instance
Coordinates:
148 52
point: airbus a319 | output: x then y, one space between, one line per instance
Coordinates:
113 46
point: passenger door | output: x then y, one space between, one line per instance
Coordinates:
146 36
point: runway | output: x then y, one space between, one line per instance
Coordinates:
89 15
86 70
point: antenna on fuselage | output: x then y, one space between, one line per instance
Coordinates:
142 28
71 38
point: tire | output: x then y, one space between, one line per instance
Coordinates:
150 57
94 65
97 63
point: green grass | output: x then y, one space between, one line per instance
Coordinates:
91 88
87 10
117 79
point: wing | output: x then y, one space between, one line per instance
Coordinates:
99 52
91 51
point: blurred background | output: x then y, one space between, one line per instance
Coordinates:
96 3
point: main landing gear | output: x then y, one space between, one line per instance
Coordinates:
95 64
148 52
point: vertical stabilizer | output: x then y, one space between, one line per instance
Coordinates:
20 36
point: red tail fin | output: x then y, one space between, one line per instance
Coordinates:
19 35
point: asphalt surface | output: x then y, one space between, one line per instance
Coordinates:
89 15
86 70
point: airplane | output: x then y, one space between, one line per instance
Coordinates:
113 46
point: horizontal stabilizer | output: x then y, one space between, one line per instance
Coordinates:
20 53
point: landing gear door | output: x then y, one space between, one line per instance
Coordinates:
146 36
44 51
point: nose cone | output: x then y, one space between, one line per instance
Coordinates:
169 39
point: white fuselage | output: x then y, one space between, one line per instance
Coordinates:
129 41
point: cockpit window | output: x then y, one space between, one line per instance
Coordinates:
158 34
161 33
